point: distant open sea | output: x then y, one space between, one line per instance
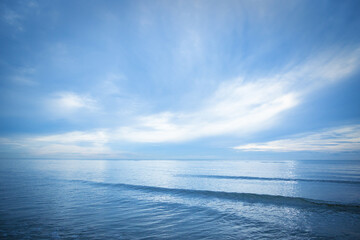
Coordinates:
66 199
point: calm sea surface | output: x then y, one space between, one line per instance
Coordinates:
63 199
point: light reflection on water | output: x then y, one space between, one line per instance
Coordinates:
174 199
174 174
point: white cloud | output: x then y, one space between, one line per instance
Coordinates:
240 106
99 136
341 139
60 150
75 143
63 104
81 143
236 107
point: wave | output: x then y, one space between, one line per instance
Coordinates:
270 179
241 197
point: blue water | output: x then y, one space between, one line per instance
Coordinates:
63 199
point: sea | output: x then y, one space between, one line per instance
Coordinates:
178 199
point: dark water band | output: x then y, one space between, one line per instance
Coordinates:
234 196
270 179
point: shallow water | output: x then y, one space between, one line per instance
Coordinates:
63 199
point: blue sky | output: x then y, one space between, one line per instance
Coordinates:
180 79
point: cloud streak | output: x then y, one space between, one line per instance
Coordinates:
242 106
77 143
66 104
340 139
231 112
237 107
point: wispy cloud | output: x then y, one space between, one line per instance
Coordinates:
77 143
232 108
13 19
64 104
171 72
241 106
21 80
341 139
237 107
24 76
98 137
16 17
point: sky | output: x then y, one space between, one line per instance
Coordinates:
102 79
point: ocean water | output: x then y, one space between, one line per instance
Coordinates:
65 199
